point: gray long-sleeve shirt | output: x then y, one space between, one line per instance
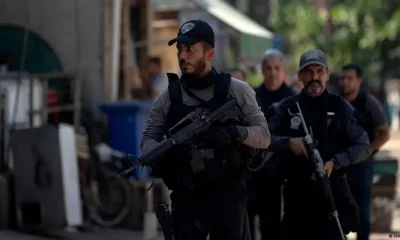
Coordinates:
256 133
358 150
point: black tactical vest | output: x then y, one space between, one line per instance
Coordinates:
330 135
333 139
223 169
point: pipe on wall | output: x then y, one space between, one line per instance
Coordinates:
115 48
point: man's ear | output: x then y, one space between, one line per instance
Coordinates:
210 54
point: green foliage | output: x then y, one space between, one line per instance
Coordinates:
363 31
254 80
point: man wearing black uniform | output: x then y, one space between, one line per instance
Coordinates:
265 189
359 176
214 199
340 140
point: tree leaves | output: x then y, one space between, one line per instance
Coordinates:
363 31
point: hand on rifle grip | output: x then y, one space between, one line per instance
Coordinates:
328 168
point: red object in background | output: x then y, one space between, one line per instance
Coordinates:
52 100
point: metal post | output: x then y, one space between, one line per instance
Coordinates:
107 51
77 105
115 48
45 84
30 100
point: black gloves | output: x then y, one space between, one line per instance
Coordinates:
222 134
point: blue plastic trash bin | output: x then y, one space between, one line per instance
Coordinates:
126 120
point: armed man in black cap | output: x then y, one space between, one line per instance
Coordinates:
211 200
338 142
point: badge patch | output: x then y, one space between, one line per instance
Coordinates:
295 122
187 27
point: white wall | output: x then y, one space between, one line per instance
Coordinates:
54 21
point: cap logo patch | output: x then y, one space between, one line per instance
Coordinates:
311 56
187 27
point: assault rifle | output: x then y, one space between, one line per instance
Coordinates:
319 172
196 123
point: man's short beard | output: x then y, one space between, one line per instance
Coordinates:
309 88
198 67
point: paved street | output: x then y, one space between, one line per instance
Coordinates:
391 149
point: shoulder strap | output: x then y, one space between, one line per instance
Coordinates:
222 86
174 87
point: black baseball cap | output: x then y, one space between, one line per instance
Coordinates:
194 31
313 57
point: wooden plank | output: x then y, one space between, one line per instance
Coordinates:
131 76
143 31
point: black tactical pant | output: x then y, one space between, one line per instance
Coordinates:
265 200
307 214
311 229
221 213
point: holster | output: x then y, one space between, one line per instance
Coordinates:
165 219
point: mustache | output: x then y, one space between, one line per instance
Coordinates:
183 62
314 81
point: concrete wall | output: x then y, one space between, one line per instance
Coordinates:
54 21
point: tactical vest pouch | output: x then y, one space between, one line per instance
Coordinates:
208 161
248 154
199 157
251 158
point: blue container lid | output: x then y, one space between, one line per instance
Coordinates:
127 106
